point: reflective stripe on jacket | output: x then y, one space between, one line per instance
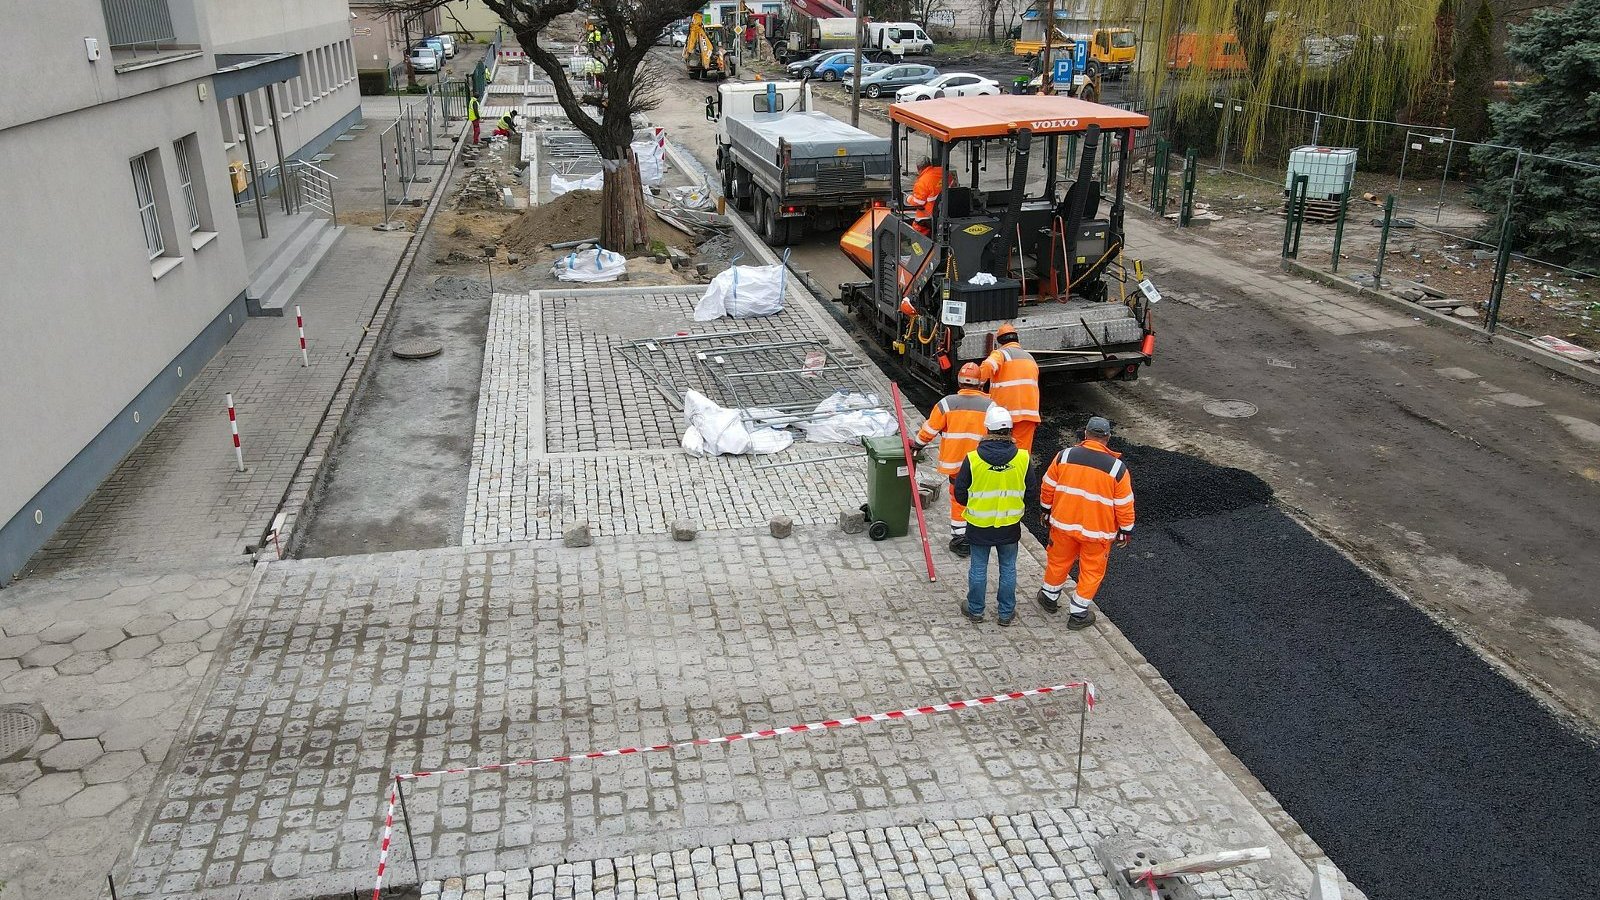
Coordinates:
959 418
1088 492
998 494
1013 378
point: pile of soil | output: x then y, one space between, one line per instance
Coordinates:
575 216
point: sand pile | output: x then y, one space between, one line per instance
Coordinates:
575 216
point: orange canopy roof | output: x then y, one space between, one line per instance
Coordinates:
953 118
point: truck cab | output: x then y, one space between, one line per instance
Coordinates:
898 39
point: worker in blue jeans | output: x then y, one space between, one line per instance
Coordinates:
993 483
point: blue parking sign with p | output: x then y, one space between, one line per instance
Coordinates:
1062 73
1080 56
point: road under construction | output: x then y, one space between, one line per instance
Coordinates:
1368 572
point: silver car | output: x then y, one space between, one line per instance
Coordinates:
894 77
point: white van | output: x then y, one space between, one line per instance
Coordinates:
899 38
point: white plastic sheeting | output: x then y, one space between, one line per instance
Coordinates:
560 185
853 417
713 430
596 264
743 292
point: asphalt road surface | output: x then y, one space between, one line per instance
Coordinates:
1420 767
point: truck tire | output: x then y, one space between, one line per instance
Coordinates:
767 218
726 165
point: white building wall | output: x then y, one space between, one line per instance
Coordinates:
87 324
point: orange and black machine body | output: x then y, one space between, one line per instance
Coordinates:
1024 232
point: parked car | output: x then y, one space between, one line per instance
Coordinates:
436 45
891 79
424 59
833 68
950 84
449 43
678 34
807 68
850 73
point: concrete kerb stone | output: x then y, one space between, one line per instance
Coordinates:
1521 349
313 466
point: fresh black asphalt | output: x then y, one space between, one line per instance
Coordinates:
1420 769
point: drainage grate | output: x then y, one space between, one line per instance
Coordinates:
18 730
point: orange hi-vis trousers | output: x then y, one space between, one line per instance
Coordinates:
1091 557
1022 433
958 514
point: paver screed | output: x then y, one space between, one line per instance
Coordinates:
349 670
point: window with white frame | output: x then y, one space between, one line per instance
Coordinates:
149 213
186 180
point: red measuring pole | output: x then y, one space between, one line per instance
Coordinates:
300 323
233 425
911 473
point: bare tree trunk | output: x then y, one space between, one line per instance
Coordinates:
623 213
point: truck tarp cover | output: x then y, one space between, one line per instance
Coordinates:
822 9
813 134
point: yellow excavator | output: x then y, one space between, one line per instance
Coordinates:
705 51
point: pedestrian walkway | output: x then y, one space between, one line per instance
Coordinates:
348 670
108 637
179 495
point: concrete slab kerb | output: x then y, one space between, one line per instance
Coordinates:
1247 783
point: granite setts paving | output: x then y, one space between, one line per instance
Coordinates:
1044 855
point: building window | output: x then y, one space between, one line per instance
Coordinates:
186 181
149 212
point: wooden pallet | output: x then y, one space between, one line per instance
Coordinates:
1318 212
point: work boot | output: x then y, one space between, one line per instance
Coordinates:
974 619
960 547
1050 606
1005 621
1080 621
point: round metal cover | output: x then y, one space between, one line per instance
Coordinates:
1231 409
418 349
18 730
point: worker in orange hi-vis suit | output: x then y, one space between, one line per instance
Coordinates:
957 421
926 189
1013 378
1089 496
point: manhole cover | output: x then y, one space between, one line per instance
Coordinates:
418 349
18 731
1231 409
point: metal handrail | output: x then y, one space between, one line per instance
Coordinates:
317 191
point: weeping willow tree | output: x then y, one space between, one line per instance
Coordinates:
1360 59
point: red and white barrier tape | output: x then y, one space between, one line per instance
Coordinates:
1089 698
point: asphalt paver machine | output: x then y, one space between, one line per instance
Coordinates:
1025 231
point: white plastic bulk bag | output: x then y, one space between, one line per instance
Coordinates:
743 292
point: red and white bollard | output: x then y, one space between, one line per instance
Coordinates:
233 423
300 323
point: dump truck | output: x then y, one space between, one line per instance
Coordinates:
705 51
812 26
1111 50
1013 237
795 168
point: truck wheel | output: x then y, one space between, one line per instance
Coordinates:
727 179
767 211
743 193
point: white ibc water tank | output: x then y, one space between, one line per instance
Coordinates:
1328 170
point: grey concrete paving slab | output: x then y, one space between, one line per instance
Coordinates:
105 718
348 670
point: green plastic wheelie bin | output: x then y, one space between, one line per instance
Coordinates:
888 505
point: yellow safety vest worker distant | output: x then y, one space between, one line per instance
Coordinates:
997 496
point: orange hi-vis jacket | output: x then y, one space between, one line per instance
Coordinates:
1088 493
959 417
929 184
1013 379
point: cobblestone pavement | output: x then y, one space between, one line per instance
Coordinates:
102 668
1045 855
348 670
605 448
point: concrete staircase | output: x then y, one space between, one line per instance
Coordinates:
303 241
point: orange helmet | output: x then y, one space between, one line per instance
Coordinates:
1005 332
969 374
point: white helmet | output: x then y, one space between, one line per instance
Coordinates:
997 418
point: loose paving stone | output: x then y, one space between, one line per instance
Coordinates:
577 536
852 521
781 526
684 530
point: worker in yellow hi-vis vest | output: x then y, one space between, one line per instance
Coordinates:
474 115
